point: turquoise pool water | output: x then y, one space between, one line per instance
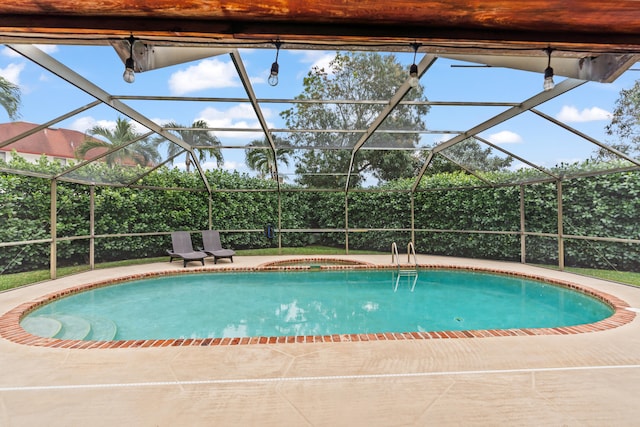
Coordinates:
310 303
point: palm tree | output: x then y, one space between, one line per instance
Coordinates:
195 138
9 97
142 152
262 160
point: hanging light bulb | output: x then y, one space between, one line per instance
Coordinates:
129 74
548 73
273 77
275 68
413 76
413 70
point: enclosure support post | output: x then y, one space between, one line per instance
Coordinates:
413 221
523 236
53 266
210 211
560 228
92 227
346 223
279 222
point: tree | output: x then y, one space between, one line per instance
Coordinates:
625 122
141 153
262 160
195 138
354 77
467 153
9 97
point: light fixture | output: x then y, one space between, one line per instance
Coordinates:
548 72
129 74
413 70
273 77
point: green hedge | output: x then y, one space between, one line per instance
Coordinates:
604 206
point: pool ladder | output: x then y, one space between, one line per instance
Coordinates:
405 270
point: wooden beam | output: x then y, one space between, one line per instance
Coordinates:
608 25
585 16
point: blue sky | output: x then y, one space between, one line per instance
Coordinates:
46 96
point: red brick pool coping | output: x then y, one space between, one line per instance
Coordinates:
11 330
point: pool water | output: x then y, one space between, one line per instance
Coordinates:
311 303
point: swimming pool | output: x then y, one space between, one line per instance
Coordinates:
304 303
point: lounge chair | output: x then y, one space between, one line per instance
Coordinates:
183 248
213 247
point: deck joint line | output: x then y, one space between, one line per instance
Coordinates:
312 378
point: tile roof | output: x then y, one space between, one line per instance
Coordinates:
60 143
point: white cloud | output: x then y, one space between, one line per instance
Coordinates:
207 74
138 128
230 165
83 124
262 77
180 165
570 114
162 122
258 80
12 72
240 116
10 53
442 138
46 48
505 137
317 58
227 165
517 165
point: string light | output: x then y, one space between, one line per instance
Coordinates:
129 74
275 68
548 72
413 70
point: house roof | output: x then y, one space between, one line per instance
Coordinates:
60 143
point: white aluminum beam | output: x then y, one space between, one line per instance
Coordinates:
47 62
604 68
587 137
49 123
246 82
562 87
424 65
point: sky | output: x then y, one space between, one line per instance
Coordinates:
46 96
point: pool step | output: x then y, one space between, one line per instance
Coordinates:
41 326
70 327
73 327
102 330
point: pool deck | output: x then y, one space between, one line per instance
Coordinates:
580 379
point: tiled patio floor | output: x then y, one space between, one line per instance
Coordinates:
578 379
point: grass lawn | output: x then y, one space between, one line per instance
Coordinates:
615 276
9 281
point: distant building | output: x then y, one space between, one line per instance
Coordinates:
56 144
